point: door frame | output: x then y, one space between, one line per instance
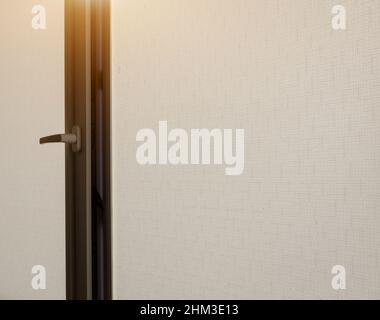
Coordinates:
88 173
78 165
101 150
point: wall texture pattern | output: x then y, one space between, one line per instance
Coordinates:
308 97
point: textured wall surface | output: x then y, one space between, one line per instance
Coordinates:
308 98
32 177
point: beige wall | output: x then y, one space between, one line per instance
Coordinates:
32 189
308 99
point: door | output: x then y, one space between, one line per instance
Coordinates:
44 198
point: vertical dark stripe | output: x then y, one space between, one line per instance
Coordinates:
100 152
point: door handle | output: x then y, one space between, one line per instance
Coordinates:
73 138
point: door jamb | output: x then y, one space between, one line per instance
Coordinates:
78 165
101 147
